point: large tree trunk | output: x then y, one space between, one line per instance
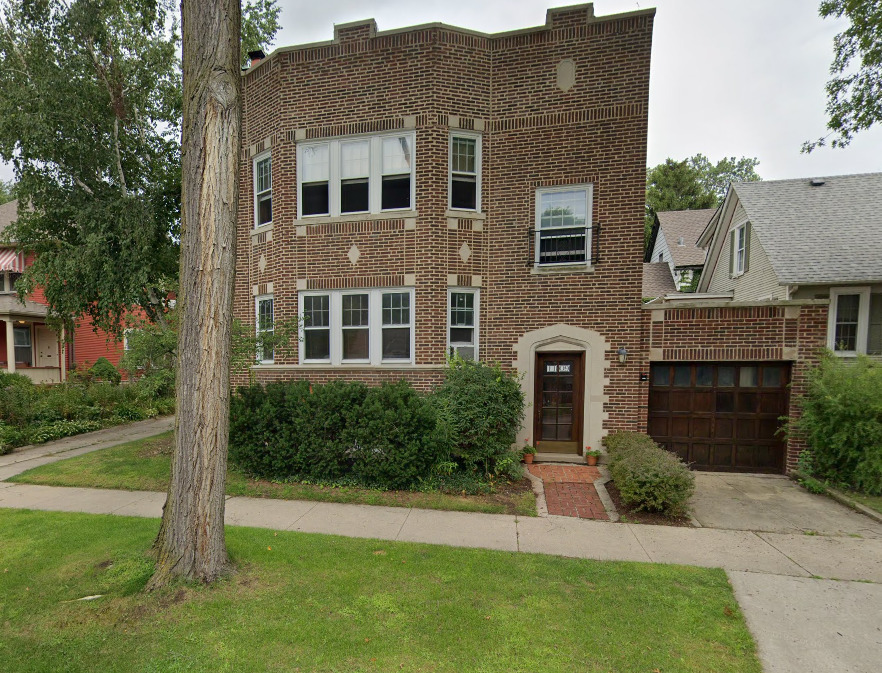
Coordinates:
191 542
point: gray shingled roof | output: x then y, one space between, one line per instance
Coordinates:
688 225
8 214
657 280
826 234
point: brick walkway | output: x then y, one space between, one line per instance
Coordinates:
569 490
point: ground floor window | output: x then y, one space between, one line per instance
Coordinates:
855 324
462 325
24 351
372 326
265 324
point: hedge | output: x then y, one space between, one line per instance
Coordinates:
647 476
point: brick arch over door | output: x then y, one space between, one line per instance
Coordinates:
566 338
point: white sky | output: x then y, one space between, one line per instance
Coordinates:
729 77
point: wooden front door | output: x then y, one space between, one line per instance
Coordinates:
559 395
47 347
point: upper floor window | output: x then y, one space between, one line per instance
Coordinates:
356 175
563 225
465 171
740 249
373 326
263 190
265 327
462 325
855 321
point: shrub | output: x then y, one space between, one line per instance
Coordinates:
10 438
841 421
11 379
103 370
60 429
480 408
648 477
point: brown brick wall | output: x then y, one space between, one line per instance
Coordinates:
533 135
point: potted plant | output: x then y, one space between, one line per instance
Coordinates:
591 455
528 452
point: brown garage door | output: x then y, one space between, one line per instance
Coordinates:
721 416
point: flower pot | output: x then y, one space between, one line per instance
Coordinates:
591 460
528 458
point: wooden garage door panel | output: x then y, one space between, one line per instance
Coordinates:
721 416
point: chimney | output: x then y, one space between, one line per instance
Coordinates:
255 57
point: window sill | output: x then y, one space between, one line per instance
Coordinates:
466 214
558 269
263 229
356 217
348 367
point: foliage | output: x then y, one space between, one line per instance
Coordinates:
260 23
7 191
649 477
11 379
103 370
480 408
841 421
90 117
693 184
855 87
283 340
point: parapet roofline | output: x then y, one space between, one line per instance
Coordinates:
371 24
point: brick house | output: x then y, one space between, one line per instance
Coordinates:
426 190
28 345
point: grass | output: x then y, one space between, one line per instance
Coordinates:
871 501
304 602
145 465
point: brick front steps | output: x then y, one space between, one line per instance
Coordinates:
569 490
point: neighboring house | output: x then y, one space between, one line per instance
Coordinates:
674 240
805 239
28 345
657 280
430 190
792 266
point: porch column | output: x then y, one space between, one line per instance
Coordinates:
10 346
62 350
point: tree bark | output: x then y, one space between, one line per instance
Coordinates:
191 542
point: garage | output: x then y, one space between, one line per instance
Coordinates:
721 416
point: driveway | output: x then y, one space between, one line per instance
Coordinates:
775 504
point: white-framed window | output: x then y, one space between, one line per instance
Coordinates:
371 326
127 333
264 324
462 322
465 171
855 321
739 245
366 174
263 190
563 225
21 339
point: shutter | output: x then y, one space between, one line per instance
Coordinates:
747 233
732 254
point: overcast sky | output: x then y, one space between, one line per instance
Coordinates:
729 77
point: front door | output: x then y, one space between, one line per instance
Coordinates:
47 347
560 384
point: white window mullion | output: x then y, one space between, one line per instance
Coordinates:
376 175
375 326
336 328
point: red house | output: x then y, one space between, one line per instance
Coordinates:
28 345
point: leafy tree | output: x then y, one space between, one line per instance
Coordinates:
692 184
7 191
90 118
854 91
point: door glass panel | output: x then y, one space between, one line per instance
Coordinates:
747 377
682 375
771 377
704 375
661 376
565 415
725 377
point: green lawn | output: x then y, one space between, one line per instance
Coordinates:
302 602
145 465
871 501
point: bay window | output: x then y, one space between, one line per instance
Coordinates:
356 175
465 171
563 225
264 328
372 326
263 191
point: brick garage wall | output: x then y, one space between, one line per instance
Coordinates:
534 134
794 332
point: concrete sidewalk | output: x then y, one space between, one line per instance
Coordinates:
843 558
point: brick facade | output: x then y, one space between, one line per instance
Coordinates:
561 104
793 332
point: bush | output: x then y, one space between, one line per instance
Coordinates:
648 477
103 370
480 409
7 379
841 421
61 429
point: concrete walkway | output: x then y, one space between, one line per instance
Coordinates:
792 587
